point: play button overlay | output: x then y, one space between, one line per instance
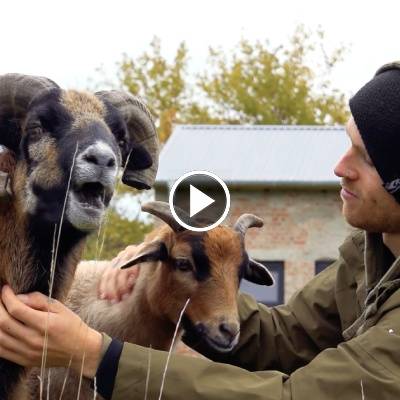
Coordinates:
199 200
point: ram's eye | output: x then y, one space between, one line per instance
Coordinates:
183 264
35 132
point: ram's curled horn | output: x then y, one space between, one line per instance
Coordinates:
161 210
142 132
246 221
16 93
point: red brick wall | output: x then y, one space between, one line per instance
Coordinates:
300 227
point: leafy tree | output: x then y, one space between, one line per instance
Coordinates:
259 85
163 85
117 233
256 84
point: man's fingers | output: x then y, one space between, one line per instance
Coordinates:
112 288
12 326
40 302
16 346
14 357
114 282
107 284
20 311
102 289
123 284
132 277
124 256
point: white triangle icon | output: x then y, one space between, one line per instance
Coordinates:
198 200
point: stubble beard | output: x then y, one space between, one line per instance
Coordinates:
370 221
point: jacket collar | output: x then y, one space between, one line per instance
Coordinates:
380 283
374 258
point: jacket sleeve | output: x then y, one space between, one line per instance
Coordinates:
289 336
367 366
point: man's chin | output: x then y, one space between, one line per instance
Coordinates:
371 225
354 219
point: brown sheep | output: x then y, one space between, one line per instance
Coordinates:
68 148
176 264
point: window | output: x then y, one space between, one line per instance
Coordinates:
320 265
269 295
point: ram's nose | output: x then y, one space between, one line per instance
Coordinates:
229 330
99 155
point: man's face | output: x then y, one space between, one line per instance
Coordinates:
366 204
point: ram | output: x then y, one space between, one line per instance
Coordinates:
176 264
67 147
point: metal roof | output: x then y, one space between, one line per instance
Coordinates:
260 155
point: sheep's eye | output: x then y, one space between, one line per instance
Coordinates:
183 264
35 132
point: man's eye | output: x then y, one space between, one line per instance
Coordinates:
183 264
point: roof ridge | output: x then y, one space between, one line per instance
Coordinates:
262 127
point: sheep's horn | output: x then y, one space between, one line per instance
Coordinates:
161 210
16 93
246 221
142 132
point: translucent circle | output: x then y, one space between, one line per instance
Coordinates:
220 219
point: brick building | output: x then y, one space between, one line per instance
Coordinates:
283 174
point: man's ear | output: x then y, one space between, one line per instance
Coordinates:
151 251
258 273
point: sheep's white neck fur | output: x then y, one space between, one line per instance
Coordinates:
130 320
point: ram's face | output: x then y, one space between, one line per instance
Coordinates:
70 153
207 269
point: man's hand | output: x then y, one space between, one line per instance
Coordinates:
117 284
23 323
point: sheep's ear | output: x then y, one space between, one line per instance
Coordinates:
5 188
140 158
258 273
141 170
7 166
152 251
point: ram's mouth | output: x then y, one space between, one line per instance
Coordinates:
93 195
222 346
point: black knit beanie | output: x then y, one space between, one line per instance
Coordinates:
376 112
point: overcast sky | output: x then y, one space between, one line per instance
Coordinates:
68 40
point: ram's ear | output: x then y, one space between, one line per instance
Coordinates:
139 158
258 273
151 251
7 167
141 168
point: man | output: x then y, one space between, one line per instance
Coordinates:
337 338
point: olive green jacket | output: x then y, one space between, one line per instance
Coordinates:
337 338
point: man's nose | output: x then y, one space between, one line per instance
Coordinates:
344 169
339 170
